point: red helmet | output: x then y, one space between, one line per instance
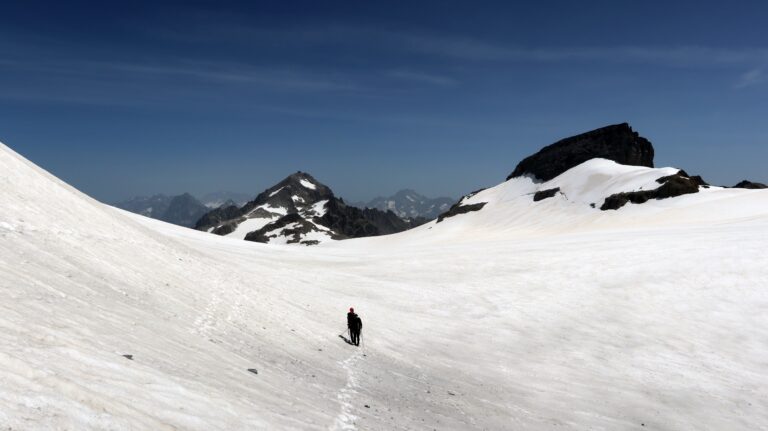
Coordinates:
351 310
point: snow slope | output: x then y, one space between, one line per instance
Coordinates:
539 316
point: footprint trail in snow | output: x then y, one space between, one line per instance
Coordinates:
346 419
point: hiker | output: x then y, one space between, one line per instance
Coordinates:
355 324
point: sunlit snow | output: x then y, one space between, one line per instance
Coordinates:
530 316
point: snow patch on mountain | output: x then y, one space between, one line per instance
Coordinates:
319 208
249 225
307 184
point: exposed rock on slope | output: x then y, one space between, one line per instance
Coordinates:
671 186
299 210
461 208
545 194
617 142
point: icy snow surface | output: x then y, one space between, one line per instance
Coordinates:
529 316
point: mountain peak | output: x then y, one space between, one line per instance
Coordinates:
299 209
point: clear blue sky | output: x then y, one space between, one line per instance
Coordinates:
128 98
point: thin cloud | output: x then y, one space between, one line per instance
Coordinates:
750 78
422 78
241 74
219 73
469 48
478 50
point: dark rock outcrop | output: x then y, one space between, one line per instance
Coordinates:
695 178
671 186
545 194
457 209
750 185
617 142
228 227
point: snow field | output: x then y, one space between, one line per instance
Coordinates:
520 316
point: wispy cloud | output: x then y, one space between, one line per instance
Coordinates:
421 78
225 73
479 50
467 48
750 78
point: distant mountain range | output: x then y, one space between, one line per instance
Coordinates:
409 204
186 210
183 210
217 199
300 210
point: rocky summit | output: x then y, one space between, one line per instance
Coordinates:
299 210
616 142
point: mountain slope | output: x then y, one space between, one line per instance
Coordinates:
536 315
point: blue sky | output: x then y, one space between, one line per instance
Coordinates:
124 99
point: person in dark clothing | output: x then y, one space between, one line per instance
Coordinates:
355 325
